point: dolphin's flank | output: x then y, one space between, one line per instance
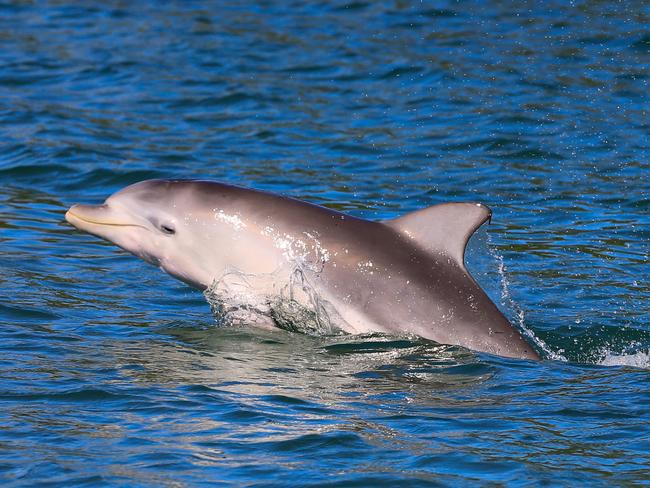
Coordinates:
402 275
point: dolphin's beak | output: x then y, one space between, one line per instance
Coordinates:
88 217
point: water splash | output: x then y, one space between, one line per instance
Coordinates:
299 308
237 298
605 356
508 301
233 300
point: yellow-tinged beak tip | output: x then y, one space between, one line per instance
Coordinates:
95 214
70 214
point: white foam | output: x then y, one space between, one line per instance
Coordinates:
638 360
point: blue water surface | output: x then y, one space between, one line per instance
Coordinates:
114 374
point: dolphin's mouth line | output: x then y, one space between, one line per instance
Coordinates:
98 222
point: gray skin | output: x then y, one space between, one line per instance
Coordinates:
403 275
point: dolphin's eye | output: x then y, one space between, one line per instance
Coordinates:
167 228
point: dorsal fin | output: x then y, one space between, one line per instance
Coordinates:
443 228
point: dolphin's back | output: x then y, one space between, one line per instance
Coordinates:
409 274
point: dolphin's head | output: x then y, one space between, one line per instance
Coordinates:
156 221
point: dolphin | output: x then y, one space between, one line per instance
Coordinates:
280 260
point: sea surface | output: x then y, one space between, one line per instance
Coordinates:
114 374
